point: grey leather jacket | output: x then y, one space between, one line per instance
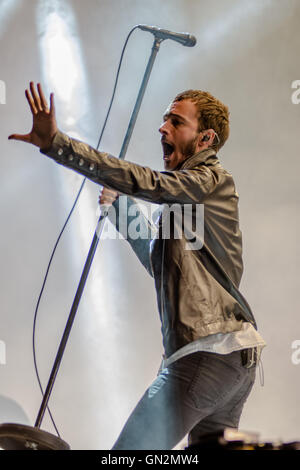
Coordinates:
197 289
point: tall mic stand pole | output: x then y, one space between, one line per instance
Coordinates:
14 436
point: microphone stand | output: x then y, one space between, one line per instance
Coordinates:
15 436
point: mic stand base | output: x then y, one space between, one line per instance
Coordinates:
23 437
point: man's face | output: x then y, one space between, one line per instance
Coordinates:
179 133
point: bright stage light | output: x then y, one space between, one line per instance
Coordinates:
62 64
64 74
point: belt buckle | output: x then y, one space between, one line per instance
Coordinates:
249 357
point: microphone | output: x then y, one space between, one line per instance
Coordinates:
185 39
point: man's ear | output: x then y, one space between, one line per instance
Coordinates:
206 138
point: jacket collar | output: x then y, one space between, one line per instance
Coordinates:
204 156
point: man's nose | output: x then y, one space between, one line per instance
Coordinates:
163 128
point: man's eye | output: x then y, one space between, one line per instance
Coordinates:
175 122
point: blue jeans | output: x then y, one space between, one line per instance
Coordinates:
198 394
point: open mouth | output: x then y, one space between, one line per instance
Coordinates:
168 149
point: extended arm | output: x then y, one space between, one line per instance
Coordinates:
186 186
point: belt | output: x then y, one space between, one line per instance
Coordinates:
249 357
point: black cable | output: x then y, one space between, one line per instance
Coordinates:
41 293
115 86
65 224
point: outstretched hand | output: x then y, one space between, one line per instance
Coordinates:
44 125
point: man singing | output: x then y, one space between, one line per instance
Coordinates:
211 344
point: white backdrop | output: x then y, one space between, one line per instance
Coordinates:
247 54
